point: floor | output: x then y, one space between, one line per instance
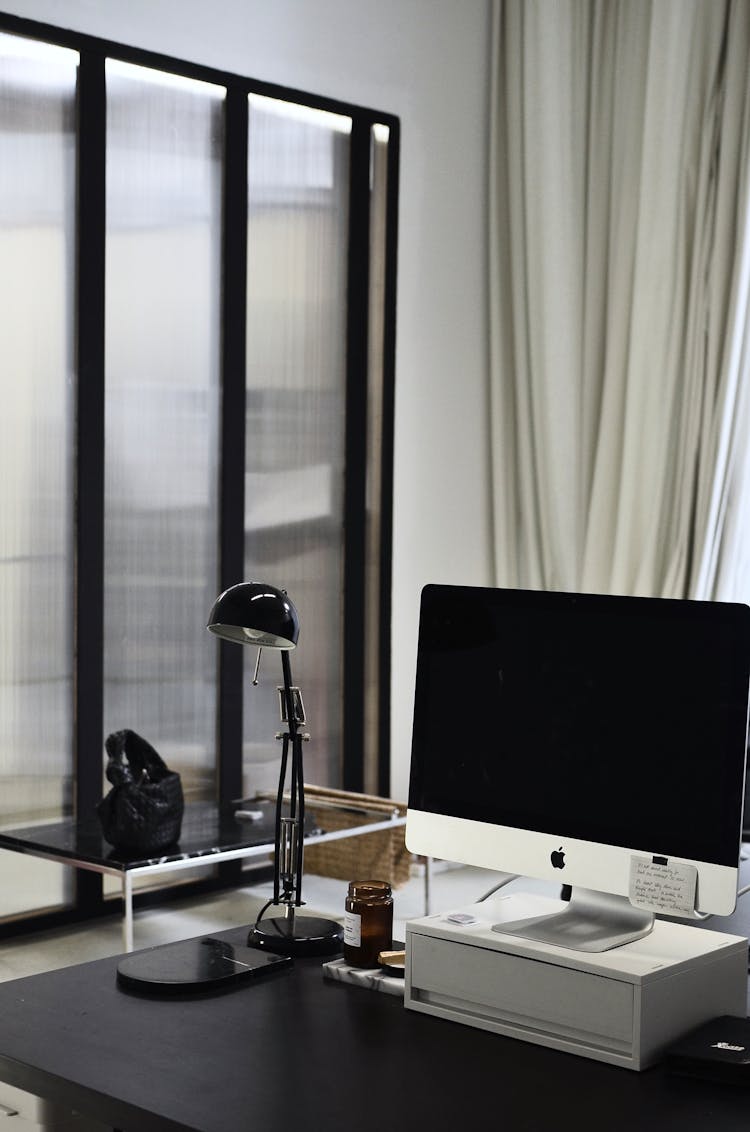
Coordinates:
451 887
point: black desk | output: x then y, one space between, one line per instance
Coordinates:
297 1048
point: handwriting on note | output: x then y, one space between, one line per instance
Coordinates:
662 886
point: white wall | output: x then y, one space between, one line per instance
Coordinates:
427 62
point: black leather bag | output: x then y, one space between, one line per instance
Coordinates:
142 813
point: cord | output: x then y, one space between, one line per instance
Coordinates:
259 917
507 878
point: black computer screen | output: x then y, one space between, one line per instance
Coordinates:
608 719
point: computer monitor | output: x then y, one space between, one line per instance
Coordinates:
574 737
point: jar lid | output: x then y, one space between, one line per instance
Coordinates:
369 889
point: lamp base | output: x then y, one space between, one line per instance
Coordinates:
297 935
190 965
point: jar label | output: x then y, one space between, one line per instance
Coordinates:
352 929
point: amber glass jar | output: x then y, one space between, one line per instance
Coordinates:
368 923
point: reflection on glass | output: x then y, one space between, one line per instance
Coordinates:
37 201
296 306
164 152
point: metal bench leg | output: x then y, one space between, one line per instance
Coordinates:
127 922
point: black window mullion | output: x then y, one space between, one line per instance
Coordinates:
89 502
357 319
232 481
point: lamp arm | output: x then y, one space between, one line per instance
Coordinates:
291 715
277 824
297 800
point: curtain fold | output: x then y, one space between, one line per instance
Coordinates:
618 291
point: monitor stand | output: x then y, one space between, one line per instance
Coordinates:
591 921
623 1006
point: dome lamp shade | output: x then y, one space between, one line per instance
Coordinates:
255 613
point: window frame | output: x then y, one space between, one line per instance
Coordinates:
361 589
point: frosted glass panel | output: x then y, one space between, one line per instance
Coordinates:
164 152
37 202
298 168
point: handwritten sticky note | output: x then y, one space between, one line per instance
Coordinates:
662 886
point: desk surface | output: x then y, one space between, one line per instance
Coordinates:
297 1045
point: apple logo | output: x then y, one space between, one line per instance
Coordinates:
557 857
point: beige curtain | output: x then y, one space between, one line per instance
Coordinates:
619 292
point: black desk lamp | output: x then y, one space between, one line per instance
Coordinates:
251 613
254 613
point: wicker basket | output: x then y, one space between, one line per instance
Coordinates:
381 855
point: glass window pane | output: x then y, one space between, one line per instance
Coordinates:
298 168
164 154
37 214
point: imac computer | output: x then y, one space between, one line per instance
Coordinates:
584 739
